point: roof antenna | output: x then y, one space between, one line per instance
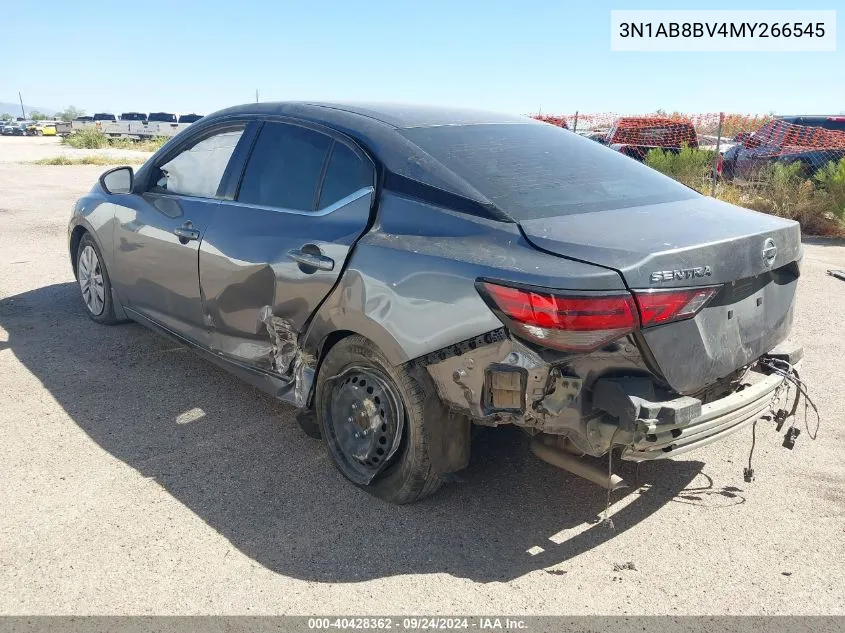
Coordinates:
256 95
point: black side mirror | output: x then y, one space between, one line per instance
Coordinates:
118 180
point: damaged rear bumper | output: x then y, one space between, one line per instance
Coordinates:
596 402
654 438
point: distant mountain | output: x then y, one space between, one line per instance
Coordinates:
14 108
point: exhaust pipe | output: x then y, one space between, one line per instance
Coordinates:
575 465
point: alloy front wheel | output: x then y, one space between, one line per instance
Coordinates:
94 282
91 281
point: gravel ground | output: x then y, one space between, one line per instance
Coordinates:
139 479
25 149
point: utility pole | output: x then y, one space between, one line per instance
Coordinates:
20 98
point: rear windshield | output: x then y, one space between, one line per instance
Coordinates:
538 170
162 117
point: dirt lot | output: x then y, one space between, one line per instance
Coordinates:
27 149
137 478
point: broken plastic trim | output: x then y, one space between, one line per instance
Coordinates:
287 356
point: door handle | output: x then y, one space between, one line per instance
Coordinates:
317 260
186 232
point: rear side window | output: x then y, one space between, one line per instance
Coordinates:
198 170
284 168
345 174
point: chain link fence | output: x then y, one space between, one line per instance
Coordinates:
789 166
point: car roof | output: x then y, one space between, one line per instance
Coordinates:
378 129
397 115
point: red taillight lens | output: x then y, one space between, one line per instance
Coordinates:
584 322
580 323
662 306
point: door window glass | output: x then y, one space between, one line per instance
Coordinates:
345 174
198 170
285 167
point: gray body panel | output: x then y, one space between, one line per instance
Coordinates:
675 235
406 259
244 269
743 322
154 273
410 285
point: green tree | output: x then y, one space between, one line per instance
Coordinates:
69 113
6 117
37 116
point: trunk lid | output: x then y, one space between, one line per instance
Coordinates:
674 239
697 242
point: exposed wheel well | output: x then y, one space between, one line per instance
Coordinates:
330 341
75 238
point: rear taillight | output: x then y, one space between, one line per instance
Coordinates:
577 322
583 322
663 306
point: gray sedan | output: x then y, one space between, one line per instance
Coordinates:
400 273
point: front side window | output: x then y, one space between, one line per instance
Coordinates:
199 169
284 168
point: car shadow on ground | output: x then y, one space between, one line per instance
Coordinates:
237 459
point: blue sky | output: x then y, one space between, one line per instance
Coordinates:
520 57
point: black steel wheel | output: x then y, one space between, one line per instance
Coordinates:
365 421
371 419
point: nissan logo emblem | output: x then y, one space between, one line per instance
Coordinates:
770 251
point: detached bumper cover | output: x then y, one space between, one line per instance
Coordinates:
665 436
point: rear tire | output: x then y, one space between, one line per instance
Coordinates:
346 404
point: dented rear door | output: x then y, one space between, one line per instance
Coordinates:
270 257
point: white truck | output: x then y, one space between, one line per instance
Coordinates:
136 124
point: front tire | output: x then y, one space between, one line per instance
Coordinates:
371 418
94 282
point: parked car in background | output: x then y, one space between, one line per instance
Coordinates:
635 136
15 128
41 128
103 116
189 118
400 273
812 141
